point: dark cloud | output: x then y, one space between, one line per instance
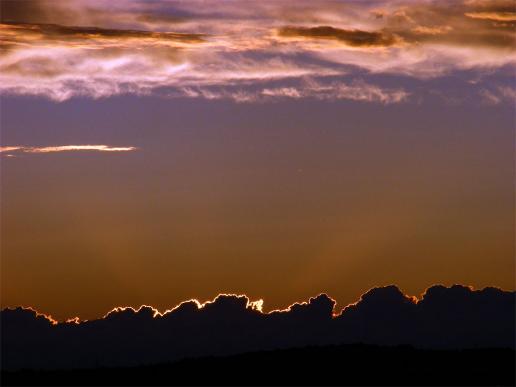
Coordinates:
471 23
55 31
356 38
455 317
497 6
462 24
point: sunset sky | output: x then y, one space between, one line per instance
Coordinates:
157 151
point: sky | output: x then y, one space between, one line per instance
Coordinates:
154 152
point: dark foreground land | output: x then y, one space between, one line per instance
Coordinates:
333 365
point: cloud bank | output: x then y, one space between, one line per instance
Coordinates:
454 317
96 49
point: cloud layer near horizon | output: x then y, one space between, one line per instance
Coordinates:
234 51
455 317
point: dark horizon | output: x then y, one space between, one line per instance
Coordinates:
256 304
314 365
444 318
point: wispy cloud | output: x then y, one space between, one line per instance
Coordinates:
496 16
498 95
64 148
357 90
99 49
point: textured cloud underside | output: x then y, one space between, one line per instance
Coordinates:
236 51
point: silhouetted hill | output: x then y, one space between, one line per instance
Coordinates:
329 365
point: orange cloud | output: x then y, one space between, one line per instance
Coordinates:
354 38
497 16
65 148
61 50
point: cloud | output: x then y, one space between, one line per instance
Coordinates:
97 49
10 148
357 90
65 148
498 95
56 32
454 317
354 38
496 16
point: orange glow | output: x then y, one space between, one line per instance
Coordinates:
74 320
250 305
